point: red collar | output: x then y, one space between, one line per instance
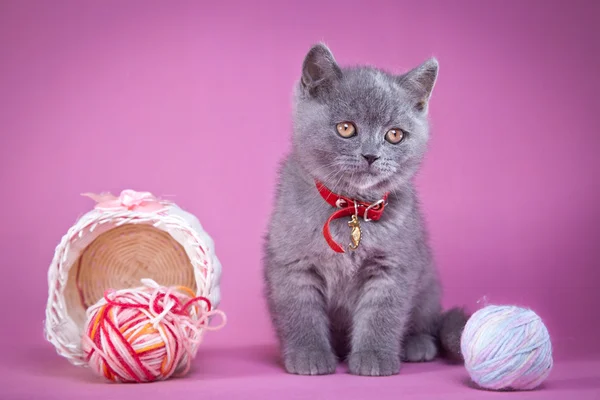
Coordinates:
347 207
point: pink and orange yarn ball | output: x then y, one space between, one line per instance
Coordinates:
146 334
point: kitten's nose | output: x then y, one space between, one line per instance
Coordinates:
371 158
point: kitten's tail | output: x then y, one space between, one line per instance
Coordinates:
451 326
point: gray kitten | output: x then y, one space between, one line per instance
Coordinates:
361 132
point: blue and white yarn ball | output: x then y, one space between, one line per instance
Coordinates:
506 348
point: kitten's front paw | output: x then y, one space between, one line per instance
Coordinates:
374 363
310 362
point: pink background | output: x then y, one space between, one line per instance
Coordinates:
191 101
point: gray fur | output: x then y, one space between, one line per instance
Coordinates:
380 303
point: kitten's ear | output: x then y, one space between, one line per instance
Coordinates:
420 82
319 70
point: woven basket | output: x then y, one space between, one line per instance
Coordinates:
122 240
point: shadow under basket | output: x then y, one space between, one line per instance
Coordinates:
116 249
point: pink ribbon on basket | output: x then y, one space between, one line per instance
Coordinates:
128 200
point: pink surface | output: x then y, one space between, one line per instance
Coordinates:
253 373
185 98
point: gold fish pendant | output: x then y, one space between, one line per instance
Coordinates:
355 233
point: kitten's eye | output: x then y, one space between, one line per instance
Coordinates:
395 135
346 129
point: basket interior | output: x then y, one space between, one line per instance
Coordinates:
119 258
